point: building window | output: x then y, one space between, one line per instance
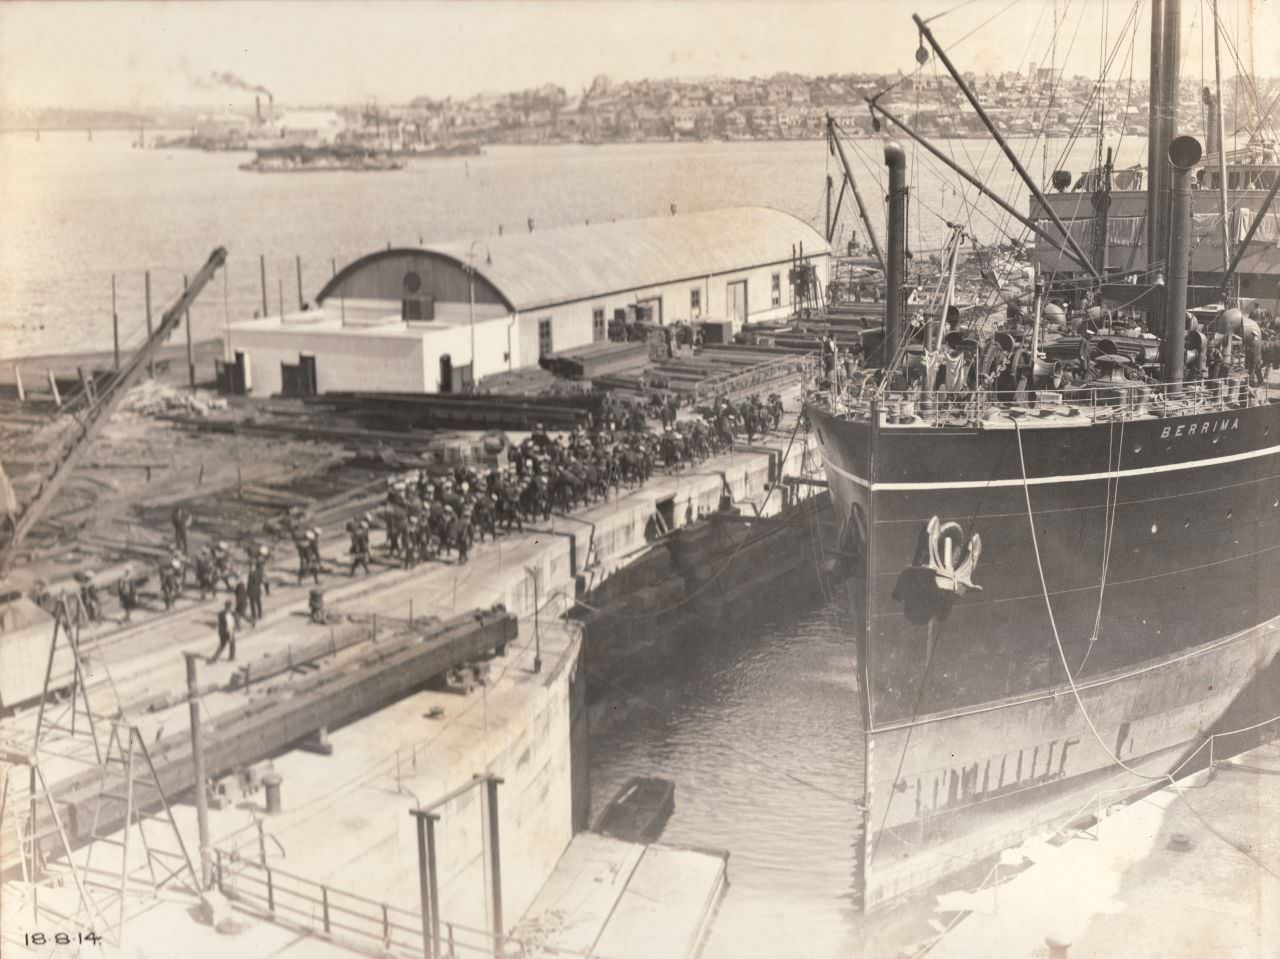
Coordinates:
775 289
695 302
598 329
544 337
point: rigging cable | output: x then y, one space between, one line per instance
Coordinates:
1111 506
1057 639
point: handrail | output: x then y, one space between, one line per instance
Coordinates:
374 925
378 925
1121 401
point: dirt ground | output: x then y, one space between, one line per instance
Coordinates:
136 464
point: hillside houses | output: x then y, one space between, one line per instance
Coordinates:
782 106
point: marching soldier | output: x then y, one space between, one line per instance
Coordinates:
206 578
89 597
169 582
242 599
460 533
181 520
257 583
359 545
226 633
127 592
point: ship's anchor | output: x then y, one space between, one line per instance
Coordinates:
952 572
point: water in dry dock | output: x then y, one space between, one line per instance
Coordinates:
758 727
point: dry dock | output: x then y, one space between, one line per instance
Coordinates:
1187 872
343 834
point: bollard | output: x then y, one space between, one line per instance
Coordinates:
272 783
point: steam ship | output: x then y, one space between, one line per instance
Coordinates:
1231 207
323 159
1058 588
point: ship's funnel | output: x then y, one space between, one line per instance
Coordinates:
895 159
1185 152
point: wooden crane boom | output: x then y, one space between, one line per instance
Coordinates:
99 413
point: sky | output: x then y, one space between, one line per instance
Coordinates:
161 53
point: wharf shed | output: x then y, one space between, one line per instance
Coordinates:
438 317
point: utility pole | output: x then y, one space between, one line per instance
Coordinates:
262 271
197 761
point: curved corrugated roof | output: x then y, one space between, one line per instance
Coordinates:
537 269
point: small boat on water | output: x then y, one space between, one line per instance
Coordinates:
640 810
302 159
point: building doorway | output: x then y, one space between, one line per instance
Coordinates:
650 310
545 345
736 297
446 373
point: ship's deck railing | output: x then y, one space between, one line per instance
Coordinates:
1110 402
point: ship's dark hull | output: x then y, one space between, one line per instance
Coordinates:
1158 542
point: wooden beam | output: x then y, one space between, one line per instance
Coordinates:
326 700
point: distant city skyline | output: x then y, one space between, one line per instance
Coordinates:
142 56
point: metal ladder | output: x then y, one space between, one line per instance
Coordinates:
129 777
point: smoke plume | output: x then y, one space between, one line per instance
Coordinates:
226 79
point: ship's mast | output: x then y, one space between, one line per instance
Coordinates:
1012 157
1155 156
1220 135
838 147
1054 241
1170 54
1102 216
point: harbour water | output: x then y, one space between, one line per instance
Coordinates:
78 211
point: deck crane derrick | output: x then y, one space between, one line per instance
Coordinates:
96 415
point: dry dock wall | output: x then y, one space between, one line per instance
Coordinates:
608 538
538 746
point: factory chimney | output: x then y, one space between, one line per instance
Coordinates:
257 108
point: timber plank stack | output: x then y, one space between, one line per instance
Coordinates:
729 369
597 359
425 411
